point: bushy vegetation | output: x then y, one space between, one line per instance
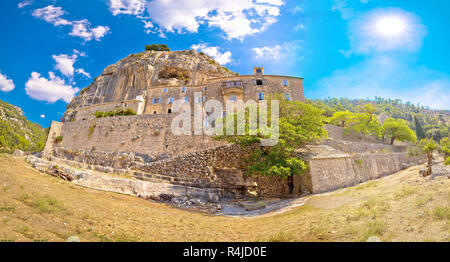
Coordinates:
17 132
158 47
117 112
299 123
174 72
445 149
423 121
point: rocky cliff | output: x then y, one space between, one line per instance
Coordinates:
133 75
17 132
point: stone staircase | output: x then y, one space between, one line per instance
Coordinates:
145 185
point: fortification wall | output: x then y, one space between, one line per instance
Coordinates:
327 174
88 113
149 135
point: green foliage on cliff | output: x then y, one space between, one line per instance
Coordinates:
299 123
159 47
117 112
17 132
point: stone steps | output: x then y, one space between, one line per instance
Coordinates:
140 184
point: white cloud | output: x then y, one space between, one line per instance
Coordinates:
213 51
342 7
51 14
128 7
82 72
300 27
50 90
236 18
24 3
64 64
389 77
287 52
6 84
267 53
83 30
42 116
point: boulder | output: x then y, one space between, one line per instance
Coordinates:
18 152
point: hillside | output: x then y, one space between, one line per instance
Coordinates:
18 132
133 75
401 207
434 123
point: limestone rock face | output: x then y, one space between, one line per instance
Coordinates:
133 75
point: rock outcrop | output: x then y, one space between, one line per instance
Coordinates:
131 76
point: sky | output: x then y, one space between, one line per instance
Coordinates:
51 49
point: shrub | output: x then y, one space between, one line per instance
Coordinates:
58 139
117 112
441 212
159 47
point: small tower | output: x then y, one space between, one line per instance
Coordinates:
258 70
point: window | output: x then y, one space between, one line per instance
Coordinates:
169 111
183 89
154 112
165 90
232 98
204 88
170 101
185 99
198 99
233 83
288 97
156 100
126 104
258 70
260 96
259 82
285 82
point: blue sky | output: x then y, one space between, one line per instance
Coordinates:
51 49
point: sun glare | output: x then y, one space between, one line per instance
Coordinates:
390 26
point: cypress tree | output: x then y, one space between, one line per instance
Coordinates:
419 130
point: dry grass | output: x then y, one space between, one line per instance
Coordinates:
38 207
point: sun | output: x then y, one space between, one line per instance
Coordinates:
390 26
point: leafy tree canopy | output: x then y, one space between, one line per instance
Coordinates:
299 124
398 129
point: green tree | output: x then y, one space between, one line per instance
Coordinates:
445 149
159 47
299 123
341 118
429 146
419 130
397 129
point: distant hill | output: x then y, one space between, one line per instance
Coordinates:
18 132
434 123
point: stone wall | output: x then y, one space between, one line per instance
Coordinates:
148 135
218 167
332 173
88 113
